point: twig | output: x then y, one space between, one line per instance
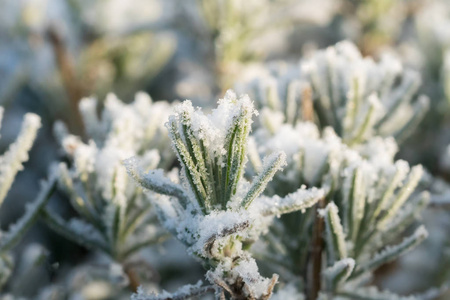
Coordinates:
71 83
307 104
133 279
316 254
193 291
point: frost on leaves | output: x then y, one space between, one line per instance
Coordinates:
10 164
215 211
358 97
113 213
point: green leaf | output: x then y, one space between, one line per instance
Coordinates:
335 237
18 229
271 165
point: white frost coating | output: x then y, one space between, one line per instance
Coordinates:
373 292
305 148
271 164
133 128
185 292
17 229
215 211
367 178
213 128
255 286
358 97
248 271
88 111
288 292
82 228
12 160
98 183
153 180
108 168
403 195
379 151
272 120
340 270
392 252
217 225
84 155
334 232
299 200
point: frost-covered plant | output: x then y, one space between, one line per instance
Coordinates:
373 23
134 129
115 217
432 36
239 32
81 48
369 204
429 52
214 211
356 96
11 162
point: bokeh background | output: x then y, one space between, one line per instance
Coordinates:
54 52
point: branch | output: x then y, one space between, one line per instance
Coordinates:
15 231
392 252
155 181
71 83
186 292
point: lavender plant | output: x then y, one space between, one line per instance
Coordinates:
368 205
236 33
115 217
11 162
356 96
328 213
214 211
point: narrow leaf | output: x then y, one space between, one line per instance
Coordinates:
390 253
335 236
155 181
17 230
271 165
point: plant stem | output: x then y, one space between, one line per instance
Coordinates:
316 254
66 69
133 278
307 104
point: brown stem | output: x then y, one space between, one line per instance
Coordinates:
133 278
316 254
130 268
307 104
66 69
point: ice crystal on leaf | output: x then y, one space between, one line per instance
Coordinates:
10 164
115 216
215 211
369 203
358 97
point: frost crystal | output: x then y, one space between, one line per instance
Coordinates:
217 212
369 202
356 96
115 216
10 164
11 161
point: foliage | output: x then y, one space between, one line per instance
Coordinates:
115 216
11 162
214 211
